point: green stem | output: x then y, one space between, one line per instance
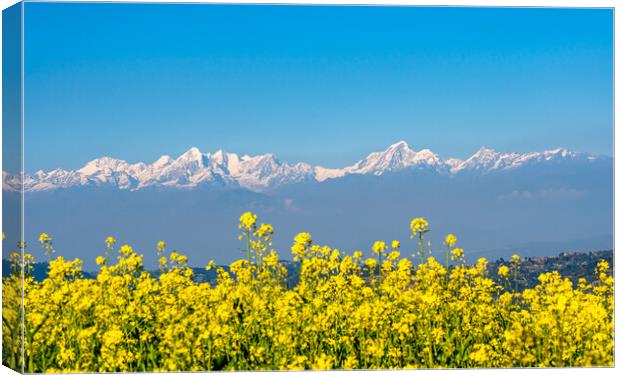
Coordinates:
247 237
421 243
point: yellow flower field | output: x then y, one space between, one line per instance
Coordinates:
346 312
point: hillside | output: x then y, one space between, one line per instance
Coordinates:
573 265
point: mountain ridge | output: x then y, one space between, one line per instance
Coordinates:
259 173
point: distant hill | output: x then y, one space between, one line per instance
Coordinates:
573 265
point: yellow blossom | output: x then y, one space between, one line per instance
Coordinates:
247 221
44 238
503 271
457 253
110 241
379 247
418 225
332 311
450 240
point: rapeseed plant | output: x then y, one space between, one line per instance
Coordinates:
346 312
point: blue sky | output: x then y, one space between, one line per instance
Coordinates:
325 85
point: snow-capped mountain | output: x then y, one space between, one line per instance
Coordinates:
397 157
486 160
263 172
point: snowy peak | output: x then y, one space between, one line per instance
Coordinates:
486 160
400 145
192 157
103 165
193 154
397 157
263 172
427 157
558 153
163 161
483 159
453 163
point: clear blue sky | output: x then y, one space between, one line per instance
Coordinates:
325 85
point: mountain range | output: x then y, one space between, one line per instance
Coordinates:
265 172
497 203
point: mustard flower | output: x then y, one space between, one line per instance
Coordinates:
379 247
503 271
247 221
450 240
110 241
418 226
44 238
161 246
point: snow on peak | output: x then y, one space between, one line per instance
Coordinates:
264 172
103 165
219 158
484 154
399 145
426 156
396 157
163 160
558 152
486 160
193 154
